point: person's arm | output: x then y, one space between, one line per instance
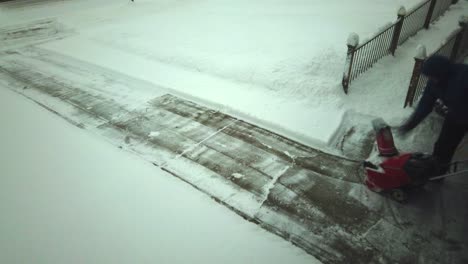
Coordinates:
424 108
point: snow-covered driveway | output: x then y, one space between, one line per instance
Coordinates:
311 198
182 85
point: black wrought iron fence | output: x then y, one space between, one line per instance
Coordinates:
362 57
440 7
455 48
414 21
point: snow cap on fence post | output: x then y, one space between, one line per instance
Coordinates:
353 40
401 11
421 52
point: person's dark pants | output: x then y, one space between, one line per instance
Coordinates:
450 136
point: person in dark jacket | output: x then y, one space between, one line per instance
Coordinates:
448 82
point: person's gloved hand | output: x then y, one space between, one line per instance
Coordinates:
403 129
407 126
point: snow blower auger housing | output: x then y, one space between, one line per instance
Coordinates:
393 173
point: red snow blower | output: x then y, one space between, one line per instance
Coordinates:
393 173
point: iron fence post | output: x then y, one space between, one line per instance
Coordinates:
353 41
397 30
458 39
418 62
429 14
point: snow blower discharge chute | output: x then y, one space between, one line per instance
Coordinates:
395 173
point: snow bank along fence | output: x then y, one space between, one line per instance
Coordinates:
455 47
362 57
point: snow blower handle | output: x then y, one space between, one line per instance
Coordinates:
443 176
454 170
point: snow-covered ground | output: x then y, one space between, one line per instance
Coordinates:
67 196
274 63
